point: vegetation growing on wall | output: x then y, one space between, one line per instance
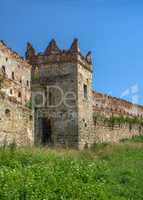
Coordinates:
36 74
117 120
29 104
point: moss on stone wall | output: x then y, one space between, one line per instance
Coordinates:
29 104
117 120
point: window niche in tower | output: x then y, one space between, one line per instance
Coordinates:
19 94
85 91
13 77
50 98
27 83
11 92
7 113
3 70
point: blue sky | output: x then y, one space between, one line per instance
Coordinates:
111 29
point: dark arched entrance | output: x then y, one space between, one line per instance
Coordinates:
46 131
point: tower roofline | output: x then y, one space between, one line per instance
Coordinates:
53 54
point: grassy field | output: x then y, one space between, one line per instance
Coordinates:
107 172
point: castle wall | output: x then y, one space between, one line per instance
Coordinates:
74 126
85 108
16 122
55 67
17 75
64 127
109 105
72 73
105 134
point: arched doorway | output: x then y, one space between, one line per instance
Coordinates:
46 131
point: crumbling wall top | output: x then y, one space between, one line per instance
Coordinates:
103 102
12 54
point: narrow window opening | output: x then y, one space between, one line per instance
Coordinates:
7 113
30 117
85 91
130 127
13 76
3 70
50 98
27 83
11 91
19 94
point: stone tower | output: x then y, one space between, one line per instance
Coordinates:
62 95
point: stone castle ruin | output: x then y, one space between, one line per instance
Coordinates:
15 93
47 99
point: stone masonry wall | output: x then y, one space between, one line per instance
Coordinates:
85 108
16 123
70 71
105 134
63 115
108 106
16 120
17 75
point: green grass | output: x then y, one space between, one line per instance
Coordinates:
107 172
137 138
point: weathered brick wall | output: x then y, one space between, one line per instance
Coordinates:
58 69
63 117
105 134
85 108
109 106
17 75
16 120
68 70
114 106
16 123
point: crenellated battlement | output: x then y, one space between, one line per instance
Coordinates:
53 54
